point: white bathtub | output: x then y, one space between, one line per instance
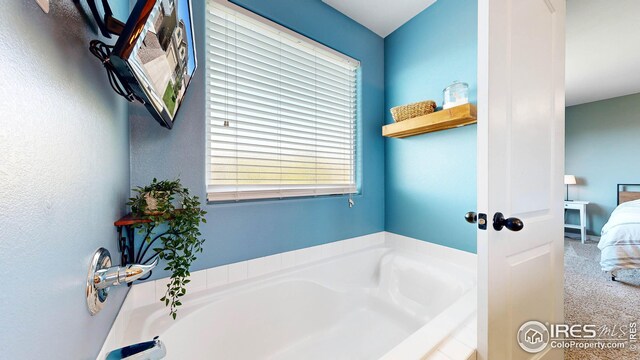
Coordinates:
388 300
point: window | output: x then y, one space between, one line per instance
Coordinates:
281 111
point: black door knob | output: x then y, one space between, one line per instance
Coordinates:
512 223
471 217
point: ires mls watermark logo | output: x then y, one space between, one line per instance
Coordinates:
534 336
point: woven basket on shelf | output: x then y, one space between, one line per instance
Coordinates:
409 111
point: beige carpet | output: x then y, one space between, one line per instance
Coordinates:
592 298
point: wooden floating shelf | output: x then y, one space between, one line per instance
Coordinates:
131 219
440 120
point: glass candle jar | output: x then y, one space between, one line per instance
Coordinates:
455 94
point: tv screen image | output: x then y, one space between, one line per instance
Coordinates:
156 55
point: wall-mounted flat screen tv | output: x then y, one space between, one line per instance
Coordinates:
155 55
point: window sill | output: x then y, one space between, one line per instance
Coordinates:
356 195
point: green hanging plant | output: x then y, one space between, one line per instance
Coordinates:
168 202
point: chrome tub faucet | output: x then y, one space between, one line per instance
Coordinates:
102 276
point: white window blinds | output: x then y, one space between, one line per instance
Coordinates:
281 111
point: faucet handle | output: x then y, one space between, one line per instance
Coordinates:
102 276
148 350
117 275
134 272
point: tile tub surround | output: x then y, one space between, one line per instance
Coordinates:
246 272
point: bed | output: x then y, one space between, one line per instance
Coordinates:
620 241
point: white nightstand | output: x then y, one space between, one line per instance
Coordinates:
581 206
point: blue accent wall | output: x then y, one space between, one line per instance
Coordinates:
602 145
241 231
64 175
430 179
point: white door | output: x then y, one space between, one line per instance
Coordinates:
520 173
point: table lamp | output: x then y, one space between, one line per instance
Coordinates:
569 180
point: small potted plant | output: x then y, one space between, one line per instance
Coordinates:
168 202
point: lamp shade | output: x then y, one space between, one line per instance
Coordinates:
569 179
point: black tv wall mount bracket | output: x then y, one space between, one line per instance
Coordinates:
108 24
